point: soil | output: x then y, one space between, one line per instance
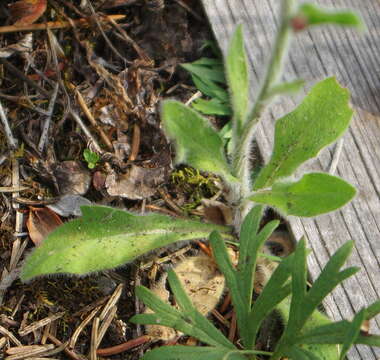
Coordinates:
119 72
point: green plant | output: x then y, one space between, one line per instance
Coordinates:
308 334
209 78
104 237
91 158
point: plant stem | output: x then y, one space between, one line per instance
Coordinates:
274 71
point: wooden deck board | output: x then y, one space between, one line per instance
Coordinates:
354 59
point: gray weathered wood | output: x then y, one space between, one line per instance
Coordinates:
354 59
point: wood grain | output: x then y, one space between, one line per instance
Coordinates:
354 59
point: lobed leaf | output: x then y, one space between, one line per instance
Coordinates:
373 310
187 320
225 266
198 144
313 194
248 259
189 311
329 278
322 118
104 238
325 350
353 331
274 292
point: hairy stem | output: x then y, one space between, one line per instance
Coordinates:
274 71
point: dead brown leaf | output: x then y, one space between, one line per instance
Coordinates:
138 183
26 12
41 222
72 178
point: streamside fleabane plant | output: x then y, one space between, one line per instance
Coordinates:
104 237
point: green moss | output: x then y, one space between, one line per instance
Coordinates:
194 185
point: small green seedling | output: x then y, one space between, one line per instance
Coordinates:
105 238
91 158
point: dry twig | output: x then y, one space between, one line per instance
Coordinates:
71 354
124 347
55 24
80 328
105 325
40 323
49 115
111 302
10 336
92 120
94 339
7 129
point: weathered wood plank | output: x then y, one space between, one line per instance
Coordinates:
353 58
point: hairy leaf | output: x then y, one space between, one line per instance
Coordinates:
212 107
322 118
105 238
198 144
211 89
237 77
315 15
207 69
314 194
181 352
286 88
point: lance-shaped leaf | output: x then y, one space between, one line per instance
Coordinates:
322 118
187 319
314 194
315 15
352 333
285 88
212 107
181 352
237 77
198 144
207 69
104 238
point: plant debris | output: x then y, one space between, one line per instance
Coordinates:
81 86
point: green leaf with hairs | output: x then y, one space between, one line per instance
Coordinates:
323 116
212 107
316 15
313 194
285 88
198 144
237 77
104 238
182 352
